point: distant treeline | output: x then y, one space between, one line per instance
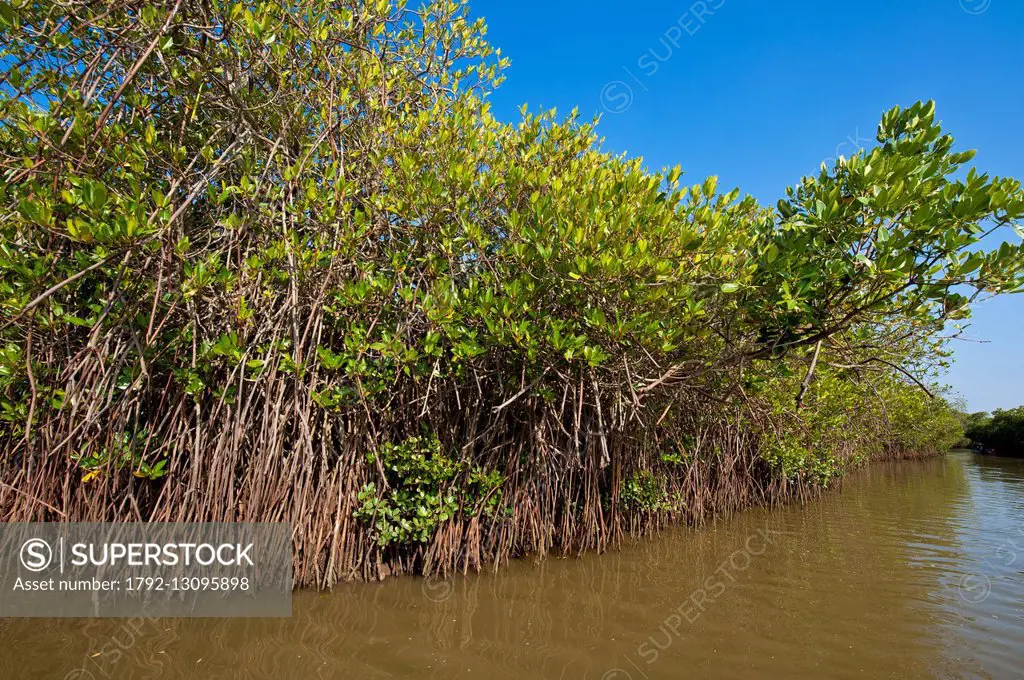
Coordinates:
279 261
1001 432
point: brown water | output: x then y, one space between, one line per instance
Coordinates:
913 570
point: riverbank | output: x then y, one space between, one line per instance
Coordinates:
864 582
690 490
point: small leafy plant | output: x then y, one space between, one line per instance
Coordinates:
422 493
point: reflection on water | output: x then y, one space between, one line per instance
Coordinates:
913 570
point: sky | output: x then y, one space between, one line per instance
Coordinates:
761 93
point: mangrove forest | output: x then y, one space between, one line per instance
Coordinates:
280 262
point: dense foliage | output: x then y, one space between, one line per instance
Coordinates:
278 261
1002 432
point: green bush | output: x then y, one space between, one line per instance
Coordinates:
1002 432
420 492
275 237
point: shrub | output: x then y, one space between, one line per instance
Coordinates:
274 244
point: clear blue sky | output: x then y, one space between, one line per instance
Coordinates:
760 93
